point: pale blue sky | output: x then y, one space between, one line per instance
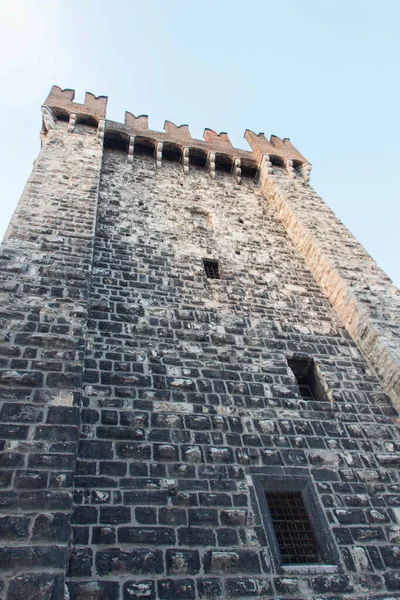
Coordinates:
323 72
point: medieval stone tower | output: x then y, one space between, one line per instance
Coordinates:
199 375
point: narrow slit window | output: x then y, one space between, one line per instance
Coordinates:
212 269
308 380
293 530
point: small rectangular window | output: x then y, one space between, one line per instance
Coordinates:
212 269
310 386
292 527
298 533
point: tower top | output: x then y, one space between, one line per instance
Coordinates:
61 103
93 110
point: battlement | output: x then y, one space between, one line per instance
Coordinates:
274 147
61 103
175 140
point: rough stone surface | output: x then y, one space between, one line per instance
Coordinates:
141 401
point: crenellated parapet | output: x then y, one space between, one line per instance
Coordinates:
274 147
61 103
215 152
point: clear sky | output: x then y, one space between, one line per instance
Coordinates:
323 72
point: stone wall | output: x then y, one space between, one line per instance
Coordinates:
144 406
45 266
189 398
364 297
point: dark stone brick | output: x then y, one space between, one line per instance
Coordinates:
227 537
95 482
165 452
96 450
145 497
83 515
14 432
14 528
286 585
33 557
350 516
139 589
25 378
92 590
209 588
32 500
182 562
120 433
203 516
392 581
30 480
10 460
112 468
147 516
132 450
64 380
113 515
5 478
171 589
22 413
331 584
109 417
391 556
51 461
63 415
80 563
196 536
220 455
146 535
233 517
36 586
215 499
172 516
366 534
114 561
89 415
56 433
53 527
325 475
103 535
135 419
343 535
247 587
231 561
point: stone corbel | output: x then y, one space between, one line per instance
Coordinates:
131 148
72 122
211 164
185 160
237 171
101 129
265 166
305 171
290 168
49 119
159 149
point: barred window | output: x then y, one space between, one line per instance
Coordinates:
293 530
212 269
297 531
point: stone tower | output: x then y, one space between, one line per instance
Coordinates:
199 375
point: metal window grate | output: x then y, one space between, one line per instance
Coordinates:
306 392
212 269
292 526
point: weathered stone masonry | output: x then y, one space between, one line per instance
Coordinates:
141 402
